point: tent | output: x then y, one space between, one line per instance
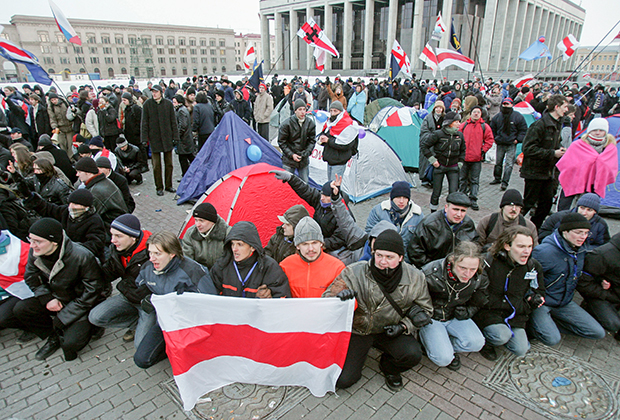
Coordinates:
369 173
253 194
400 128
225 150
374 107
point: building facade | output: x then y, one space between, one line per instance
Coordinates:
241 43
124 48
491 32
602 63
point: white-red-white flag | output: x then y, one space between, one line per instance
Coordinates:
313 35
439 29
319 58
213 341
249 58
568 46
429 58
523 81
13 265
447 58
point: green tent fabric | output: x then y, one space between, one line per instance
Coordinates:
374 107
405 141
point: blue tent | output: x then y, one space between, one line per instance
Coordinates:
224 151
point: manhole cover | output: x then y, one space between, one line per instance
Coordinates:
582 391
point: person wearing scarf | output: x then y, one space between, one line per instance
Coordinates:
377 321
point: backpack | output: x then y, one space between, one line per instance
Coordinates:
493 222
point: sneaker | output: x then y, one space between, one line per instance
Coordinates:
455 364
394 382
474 206
129 336
488 352
495 182
26 337
51 345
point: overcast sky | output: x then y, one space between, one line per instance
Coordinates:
241 15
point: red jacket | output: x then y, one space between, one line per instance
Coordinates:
310 280
477 139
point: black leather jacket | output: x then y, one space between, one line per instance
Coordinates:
294 138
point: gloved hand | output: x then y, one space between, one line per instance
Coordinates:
346 294
283 176
395 330
418 316
461 313
536 301
146 305
181 288
23 189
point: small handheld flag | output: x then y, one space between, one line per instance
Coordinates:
440 29
249 58
429 58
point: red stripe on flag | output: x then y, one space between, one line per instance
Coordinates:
12 49
190 346
454 56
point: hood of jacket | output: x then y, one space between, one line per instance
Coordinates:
246 232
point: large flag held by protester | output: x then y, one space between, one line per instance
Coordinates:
429 58
454 40
319 58
536 51
64 26
17 55
13 259
249 58
439 29
568 46
399 62
523 81
447 58
213 341
313 35
257 75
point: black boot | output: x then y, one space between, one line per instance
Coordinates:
51 345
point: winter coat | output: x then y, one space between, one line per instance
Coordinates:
207 250
58 116
599 232
562 266
494 101
62 161
487 237
180 275
603 263
159 125
133 122
130 157
264 270
107 198
294 138
220 108
357 105
311 279
16 114
342 140
263 106
447 294
429 125
242 109
434 238
40 121
75 280
92 122
374 311
518 128
478 140
447 149
203 119
186 145
447 99
510 285
127 265
123 185
383 211
337 97
541 141
108 122
13 216
54 190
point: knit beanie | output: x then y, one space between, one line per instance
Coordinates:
81 196
327 189
511 197
220 93
440 104
82 149
96 141
47 228
53 95
572 221
390 240
590 200
336 105
45 140
450 117
87 164
127 224
400 189
103 162
121 141
293 215
598 124
205 211
78 138
127 95
180 99
299 103
191 90
308 230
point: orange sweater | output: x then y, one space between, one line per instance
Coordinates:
309 280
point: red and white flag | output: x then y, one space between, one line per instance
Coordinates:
13 265
213 341
319 58
523 81
401 59
313 35
524 108
439 29
429 58
447 58
249 58
568 46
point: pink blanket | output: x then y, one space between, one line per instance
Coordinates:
582 166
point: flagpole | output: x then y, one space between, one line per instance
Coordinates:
508 68
473 41
547 66
587 56
281 56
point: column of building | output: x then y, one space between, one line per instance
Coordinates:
369 23
265 42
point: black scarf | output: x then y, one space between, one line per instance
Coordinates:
389 278
506 113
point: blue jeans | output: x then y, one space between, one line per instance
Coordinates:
507 151
546 323
500 335
333 170
470 179
152 349
605 313
303 173
118 312
442 339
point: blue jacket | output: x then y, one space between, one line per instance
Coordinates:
382 211
562 267
357 105
180 274
599 232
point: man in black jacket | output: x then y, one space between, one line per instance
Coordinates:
130 163
105 167
296 140
66 280
509 128
39 118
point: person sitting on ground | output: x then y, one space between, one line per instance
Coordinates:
438 233
398 210
127 254
105 167
204 241
562 255
389 325
130 163
61 160
458 289
281 243
311 270
45 182
98 150
372 235
82 151
588 206
244 270
509 214
167 271
67 283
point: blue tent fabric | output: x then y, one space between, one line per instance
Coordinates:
224 151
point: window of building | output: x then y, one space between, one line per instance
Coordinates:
78 50
44 37
161 60
63 49
133 51
212 42
204 69
48 60
132 40
203 42
146 40
184 71
79 60
182 51
82 70
105 39
222 52
195 70
194 60
214 69
92 50
51 71
65 60
212 52
46 49
123 70
203 51
90 38
222 43
204 60
192 42
162 71
122 60
120 51
109 60
5 36
193 51
94 60
223 68
136 71
223 60
173 60
147 51
174 71
60 38
172 51
118 39
110 72
170 41
214 60
183 60
159 41
181 41
107 50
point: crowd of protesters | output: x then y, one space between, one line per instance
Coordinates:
436 284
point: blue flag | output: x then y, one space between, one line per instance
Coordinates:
17 55
257 76
535 51
454 40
